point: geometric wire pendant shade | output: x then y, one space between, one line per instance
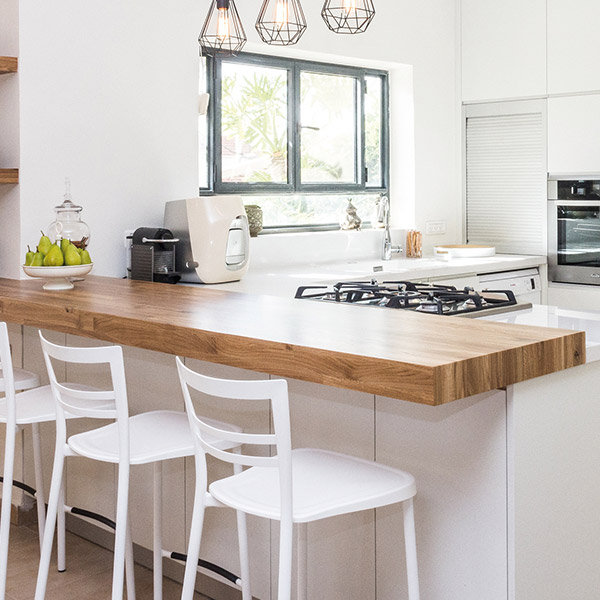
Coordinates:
222 32
348 16
281 22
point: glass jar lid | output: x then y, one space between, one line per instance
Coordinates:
68 205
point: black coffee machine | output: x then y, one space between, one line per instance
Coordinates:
153 255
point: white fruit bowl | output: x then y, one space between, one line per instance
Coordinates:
58 278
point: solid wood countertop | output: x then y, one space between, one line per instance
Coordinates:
429 359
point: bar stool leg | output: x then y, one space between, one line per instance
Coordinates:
48 538
39 479
129 564
191 565
9 463
302 590
120 531
61 529
157 547
410 543
242 528
285 560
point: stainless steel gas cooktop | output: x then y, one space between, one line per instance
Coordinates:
420 297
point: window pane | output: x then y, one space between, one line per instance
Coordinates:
328 128
373 131
253 123
202 129
297 209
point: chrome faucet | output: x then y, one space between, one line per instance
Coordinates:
383 216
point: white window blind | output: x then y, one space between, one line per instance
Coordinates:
506 182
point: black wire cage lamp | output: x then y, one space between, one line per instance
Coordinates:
281 22
223 32
348 16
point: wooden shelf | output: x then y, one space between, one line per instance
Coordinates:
8 64
9 175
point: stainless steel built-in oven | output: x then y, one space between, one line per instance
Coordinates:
574 231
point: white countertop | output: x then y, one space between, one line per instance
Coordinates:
284 281
551 316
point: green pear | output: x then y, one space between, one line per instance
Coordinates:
29 256
85 258
44 244
38 260
64 244
80 250
72 257
54 258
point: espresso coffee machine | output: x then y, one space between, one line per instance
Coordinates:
215 242
153 252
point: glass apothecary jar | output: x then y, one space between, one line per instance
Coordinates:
68 223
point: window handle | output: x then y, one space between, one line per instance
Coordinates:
300 126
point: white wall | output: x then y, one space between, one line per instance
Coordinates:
108 97
11 247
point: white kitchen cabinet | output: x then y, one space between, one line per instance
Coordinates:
573 49
574 134
503 49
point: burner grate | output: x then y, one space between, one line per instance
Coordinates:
426 298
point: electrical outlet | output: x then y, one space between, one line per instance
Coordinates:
435 227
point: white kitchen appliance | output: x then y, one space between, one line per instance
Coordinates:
525 284
214 240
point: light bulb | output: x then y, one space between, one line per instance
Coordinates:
223 24
350 5
281 13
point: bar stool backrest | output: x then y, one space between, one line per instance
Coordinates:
274 390
7 374
95 404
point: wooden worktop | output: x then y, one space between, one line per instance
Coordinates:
422 358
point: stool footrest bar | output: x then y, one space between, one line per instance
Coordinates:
22 486
209 567
92 515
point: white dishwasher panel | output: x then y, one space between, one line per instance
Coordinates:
525 284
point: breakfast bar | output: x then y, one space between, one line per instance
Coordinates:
401 355
477 410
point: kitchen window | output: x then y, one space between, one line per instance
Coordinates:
299 138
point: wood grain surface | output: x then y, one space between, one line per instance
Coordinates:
9 175
429 359
8 64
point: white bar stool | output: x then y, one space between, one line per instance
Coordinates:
150 437
294 486
30 407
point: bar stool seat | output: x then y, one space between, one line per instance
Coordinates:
153 436
24 380
38 406
324 484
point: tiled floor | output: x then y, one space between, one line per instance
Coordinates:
88 574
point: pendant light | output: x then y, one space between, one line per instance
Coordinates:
348 16
281 22
222 32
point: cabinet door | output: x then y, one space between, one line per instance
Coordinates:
573 134
503 49
573 49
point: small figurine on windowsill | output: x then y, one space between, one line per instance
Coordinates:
351 220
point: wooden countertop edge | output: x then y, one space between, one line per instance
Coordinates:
417 383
